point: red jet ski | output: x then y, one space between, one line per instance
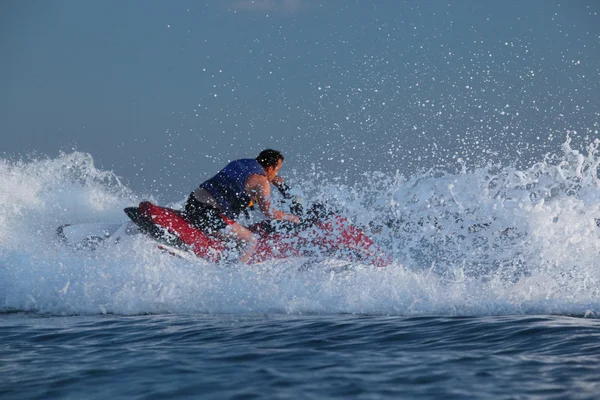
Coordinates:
321 233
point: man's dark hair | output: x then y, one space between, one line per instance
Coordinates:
269 158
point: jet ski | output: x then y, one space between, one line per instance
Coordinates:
321 234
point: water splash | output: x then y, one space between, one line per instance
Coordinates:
487 240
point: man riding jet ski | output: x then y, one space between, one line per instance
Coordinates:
216 204
208 221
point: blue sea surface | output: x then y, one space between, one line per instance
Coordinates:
298 356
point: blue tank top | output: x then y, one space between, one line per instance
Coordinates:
228 187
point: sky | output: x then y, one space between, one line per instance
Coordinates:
164 93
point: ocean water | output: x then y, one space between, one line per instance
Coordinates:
492 293
299 356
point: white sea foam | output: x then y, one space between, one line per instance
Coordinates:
486 241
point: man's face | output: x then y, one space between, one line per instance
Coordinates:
271 172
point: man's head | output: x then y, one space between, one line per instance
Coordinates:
271 161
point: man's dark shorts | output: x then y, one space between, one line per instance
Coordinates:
204 217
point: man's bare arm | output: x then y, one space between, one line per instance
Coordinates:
259 188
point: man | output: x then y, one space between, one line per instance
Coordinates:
217 203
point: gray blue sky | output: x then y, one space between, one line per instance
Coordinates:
165 92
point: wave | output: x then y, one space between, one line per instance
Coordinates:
490 240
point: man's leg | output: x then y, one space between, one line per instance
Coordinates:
209 220
242 234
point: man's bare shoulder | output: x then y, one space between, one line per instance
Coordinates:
256 181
